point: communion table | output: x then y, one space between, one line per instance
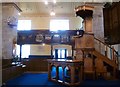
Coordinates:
75 70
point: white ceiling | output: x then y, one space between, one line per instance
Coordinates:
60 8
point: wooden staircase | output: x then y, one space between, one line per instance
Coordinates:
105 58
109 57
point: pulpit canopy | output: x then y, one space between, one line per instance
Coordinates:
84 11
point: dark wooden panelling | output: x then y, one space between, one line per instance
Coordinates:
106 21
112 23
37 64
11 72
119 16
6 63
47 37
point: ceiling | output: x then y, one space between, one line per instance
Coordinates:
60 8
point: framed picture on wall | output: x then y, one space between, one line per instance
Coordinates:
47 39
56 38
64 39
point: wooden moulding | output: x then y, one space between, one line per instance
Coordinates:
84 7
84 11
12 4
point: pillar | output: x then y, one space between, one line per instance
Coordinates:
9 28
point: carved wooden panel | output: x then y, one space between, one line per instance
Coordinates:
79 55
87 41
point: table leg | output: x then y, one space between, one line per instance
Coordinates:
49 71
57 73
72 75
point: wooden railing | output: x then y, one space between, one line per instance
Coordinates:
106 50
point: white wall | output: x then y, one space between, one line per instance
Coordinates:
46 50
44 22
40 50
117 48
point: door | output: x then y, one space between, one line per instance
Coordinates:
60 53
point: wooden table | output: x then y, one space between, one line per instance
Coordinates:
74 65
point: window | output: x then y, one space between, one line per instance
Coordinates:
24 25
59 25
25 54
60 53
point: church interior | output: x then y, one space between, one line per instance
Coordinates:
60 43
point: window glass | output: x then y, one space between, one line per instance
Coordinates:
25 54
60 53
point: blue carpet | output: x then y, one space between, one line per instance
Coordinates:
101 83
31 79
41 80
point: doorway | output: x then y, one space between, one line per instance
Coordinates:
60 53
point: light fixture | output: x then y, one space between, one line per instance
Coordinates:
52 13
52 5
46 2
54 1
43 44
19 13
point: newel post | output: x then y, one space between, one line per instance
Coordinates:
113 55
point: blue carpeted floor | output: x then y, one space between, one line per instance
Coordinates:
41 80
31 79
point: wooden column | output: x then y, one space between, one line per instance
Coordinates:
49 71
57 72
72 74
20 52
88 24
81 73
63 74
51 50
72 50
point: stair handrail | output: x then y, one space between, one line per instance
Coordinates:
114 53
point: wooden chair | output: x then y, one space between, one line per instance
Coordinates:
89 67
101 70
